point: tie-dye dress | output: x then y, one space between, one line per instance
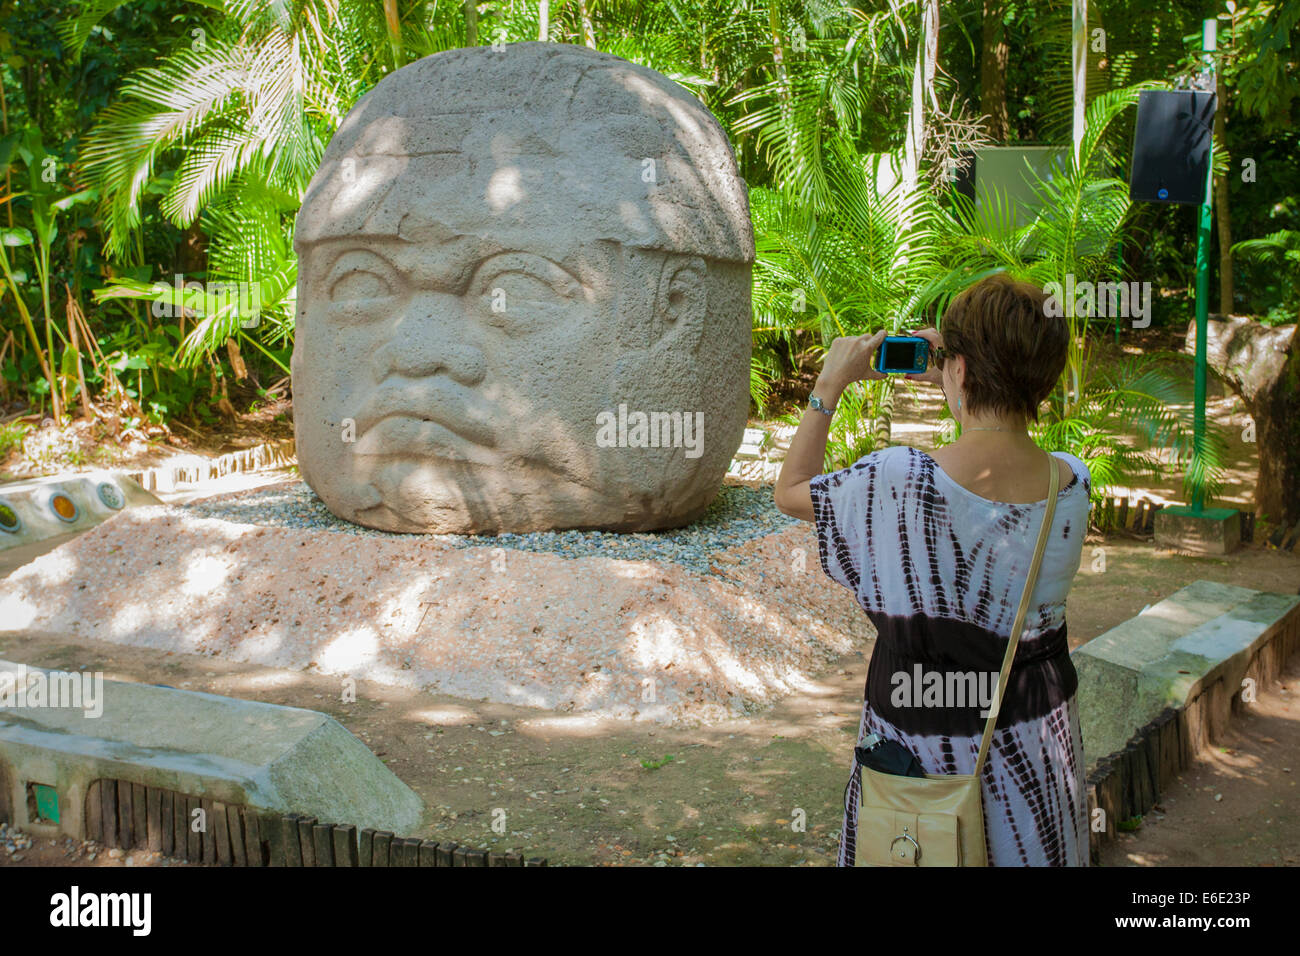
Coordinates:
939 571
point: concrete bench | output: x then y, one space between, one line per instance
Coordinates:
233 751
1158 688
1202 641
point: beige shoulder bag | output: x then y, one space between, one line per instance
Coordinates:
938 820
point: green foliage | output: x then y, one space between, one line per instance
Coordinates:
224 133
12 435
872 256
1281 250
1106 418
184 134
1081 215
851 435
1125 418
1263 42
23 154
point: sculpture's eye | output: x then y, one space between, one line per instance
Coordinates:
361 276
510 289
359 284
521 292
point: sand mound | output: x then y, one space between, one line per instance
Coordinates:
619 638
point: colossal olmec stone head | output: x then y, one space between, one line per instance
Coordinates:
506 257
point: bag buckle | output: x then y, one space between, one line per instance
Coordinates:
916 856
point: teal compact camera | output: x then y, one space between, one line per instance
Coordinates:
902 354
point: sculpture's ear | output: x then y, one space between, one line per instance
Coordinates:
681 302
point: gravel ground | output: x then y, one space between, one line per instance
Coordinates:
705 623
24 850
737 515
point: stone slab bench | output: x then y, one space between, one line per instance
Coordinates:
234 752
1155 690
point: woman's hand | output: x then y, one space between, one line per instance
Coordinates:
848 361
931 373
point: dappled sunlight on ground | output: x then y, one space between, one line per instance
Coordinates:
618 638
1239 804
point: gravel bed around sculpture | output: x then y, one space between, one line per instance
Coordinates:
737 515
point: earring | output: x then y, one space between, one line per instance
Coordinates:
958 403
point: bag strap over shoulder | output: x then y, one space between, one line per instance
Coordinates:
1053 486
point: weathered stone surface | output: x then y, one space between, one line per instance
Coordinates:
1211 531
1203 634
506 259
233 751
1262 365
28 516
1246 353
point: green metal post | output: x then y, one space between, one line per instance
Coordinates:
1208 45
1202 333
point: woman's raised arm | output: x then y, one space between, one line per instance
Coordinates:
848 361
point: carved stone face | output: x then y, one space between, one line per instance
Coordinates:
499 250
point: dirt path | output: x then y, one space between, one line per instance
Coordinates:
584 791
1239 805
574 790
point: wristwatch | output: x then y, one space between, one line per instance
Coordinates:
816 403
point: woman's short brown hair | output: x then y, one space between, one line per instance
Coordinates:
1014 350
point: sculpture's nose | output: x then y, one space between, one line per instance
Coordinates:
428 338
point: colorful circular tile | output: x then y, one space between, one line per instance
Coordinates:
9 520
111 495
64 508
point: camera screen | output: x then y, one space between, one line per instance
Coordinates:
900 354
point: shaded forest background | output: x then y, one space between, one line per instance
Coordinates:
149 143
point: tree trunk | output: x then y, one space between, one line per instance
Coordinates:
778 51
73 312
927 55
237 366
1079 70
1262 365
471 22
588 30
193 254
782 77
1221 204
883 419
4 128
1277 424
394 24
994 56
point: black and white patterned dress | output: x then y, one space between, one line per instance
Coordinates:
939 571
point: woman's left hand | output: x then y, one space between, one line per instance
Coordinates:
931 373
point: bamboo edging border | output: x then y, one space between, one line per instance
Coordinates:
125 815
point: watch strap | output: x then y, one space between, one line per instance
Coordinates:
817 404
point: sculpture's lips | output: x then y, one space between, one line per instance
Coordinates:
404 436
403 422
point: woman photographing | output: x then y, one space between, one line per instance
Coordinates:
937 550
